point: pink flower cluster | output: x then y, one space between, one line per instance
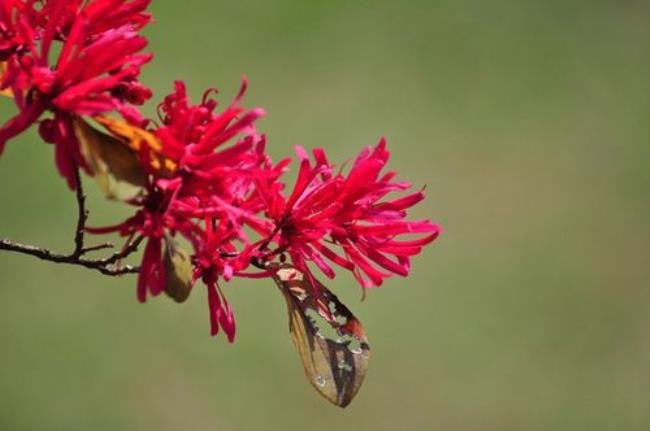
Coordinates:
207 177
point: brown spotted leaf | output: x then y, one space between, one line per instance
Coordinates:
178 272
115 166
330 340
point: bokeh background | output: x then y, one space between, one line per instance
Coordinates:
527 121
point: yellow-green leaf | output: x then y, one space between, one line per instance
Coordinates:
330 340
178 272
114 165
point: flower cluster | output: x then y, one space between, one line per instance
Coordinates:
94 72
199 174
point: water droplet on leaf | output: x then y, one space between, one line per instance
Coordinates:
356 350
320 381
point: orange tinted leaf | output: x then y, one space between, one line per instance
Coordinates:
115 167
135 137
178 272
331 342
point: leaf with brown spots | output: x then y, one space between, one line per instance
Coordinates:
330 340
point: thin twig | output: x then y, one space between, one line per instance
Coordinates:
108 265
126 252
100 265
82 217
97 247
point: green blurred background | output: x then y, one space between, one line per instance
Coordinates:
527 121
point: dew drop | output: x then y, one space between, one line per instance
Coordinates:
356 350
320 381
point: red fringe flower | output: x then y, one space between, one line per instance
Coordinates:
205 180
95 71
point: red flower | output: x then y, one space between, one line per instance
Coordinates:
202 167
201 175
326 210
191 134
218 157
217 186
94 73
155 222
217 257
18 18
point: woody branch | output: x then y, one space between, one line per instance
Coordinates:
108 265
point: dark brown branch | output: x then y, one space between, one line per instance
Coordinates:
104 266
82 216
97 247
108 265
128 250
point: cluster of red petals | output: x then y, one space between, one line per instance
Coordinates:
94 72
208 179
206 193
327 212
